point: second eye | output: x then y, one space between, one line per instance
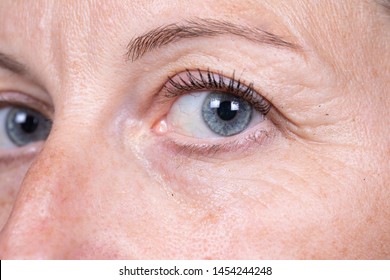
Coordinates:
22 126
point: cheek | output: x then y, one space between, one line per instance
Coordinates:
11 177
297 204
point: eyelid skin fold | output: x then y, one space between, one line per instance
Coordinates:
22 100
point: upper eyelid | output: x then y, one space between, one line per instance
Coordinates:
22 100
9 63
27 86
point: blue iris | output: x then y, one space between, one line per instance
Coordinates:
226 114
25 126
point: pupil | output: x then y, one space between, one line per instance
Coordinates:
225 111
28 123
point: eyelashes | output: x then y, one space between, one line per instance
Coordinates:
198 80
212 114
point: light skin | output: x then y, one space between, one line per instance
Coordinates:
125 175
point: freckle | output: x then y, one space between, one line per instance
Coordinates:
210 218
344 251
326 114
3 203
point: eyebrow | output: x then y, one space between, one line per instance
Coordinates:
175 32
9 63
384 3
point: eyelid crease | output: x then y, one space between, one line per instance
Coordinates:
21 100
198 80
9 63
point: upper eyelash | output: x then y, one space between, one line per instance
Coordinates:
208 80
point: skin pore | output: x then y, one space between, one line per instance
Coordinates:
125 173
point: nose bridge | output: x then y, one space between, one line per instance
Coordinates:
38 227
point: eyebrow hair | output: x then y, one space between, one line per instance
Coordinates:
174 32
384 3
9 63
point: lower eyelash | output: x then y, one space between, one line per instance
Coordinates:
197 80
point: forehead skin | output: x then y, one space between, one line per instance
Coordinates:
320 191
331 28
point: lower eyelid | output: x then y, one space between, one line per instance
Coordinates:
252 138
226 151
23 154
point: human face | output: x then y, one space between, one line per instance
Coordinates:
139 163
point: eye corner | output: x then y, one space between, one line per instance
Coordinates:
160 127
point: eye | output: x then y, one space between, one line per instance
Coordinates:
212 114
22 126
213 106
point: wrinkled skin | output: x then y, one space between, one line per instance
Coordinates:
109 182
